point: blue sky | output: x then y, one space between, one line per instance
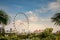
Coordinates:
13 6
38 11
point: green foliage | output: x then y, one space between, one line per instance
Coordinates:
9 37
58 35
56 18
3 20
35 38
45 35
3 38
22 36
3 17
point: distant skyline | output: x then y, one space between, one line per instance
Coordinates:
38 11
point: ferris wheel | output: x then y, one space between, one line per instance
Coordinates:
21 19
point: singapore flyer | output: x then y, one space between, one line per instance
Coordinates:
21 22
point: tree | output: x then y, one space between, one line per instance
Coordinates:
3 20
47 34
56 18
57 35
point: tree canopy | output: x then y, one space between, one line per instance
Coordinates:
56 18
3 17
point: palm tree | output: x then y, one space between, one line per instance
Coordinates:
3 20
56 19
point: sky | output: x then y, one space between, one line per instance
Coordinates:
39 13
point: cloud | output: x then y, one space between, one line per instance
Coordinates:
42 24
58 1
34 23
32 17
29 12
54 6
42 10
38 22
19 25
